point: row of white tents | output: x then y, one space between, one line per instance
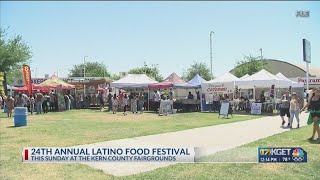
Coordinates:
262 79
225 84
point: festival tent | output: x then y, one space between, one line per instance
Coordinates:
197 80
172 81
227 77
55 83
222 84
245 76
293 83
261 79
133 81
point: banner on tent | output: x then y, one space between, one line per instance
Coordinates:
209 88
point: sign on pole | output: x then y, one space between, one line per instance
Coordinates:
306 51
307 57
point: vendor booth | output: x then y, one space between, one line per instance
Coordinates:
60 87
135 84
213 91
179 89
261 89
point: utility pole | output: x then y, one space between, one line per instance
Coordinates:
211 33
84 73
261 57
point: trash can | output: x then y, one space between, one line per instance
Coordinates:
20 116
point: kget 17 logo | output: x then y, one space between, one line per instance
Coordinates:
282 155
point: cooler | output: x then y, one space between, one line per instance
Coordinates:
20 116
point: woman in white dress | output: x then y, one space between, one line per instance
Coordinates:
115 103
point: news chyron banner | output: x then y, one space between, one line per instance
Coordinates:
108 154
82 154
282 155
27 78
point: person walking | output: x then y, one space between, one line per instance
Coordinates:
52 100
71 101
101 102
285 105
314 116
141 103
125 104
20 101
46 103
31 102
115 103
135 104
121 95
295 105
10 105
156 101
109 101
66 101
39 97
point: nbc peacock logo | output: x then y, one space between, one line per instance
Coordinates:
297 155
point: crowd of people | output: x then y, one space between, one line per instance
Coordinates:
37 102
291 106
121 102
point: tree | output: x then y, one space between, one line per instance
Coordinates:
114 77
152 71
250 65
93 69
197 68
14 52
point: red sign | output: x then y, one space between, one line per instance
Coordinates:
312 80
217 89
27 78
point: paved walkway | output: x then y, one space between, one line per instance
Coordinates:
221 137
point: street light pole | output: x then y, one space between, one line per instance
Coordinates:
84 73
145 68
211 53
261 57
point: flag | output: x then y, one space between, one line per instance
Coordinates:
3 83
27 78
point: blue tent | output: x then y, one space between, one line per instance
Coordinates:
197 80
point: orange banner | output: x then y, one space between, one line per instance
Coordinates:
27 78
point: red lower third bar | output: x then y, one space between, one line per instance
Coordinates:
26 154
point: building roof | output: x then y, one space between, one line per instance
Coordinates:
314 71
289 70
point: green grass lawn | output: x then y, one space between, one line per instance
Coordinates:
82 127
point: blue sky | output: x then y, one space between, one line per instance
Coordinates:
172 34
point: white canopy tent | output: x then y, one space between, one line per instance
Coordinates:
293 83
263 78
222 84
245 76
133 81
